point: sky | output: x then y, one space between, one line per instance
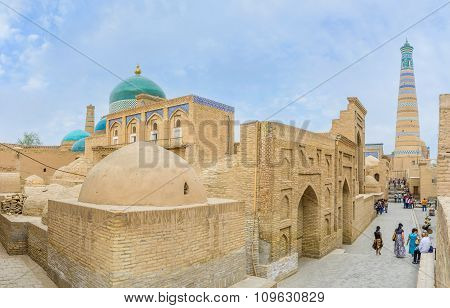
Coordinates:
257 56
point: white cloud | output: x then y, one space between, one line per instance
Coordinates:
35 83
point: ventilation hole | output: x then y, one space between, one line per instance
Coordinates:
186 188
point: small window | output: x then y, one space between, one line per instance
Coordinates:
116 132
133 129
178 123
155 126
186 188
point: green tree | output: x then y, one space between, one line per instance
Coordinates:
29 139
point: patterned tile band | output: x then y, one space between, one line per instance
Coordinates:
408 134
406 92
211 103
407 118
122 105
407 152
407 104
112 121
136 116
184 107
149 114
407 74
407 86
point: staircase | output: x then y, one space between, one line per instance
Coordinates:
394 190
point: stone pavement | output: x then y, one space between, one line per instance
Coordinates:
21 272
357 265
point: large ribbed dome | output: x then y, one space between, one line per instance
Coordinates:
123 96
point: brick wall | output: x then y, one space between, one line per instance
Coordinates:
443 192
37 242
95 246
443 243
52 156
13 234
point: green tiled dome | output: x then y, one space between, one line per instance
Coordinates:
79 146
101 125
123 96
75 135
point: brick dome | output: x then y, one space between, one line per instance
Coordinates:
142 173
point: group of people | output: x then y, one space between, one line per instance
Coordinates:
416 244
398 183
381 206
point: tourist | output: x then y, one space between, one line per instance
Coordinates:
399 241
386 203
396 198
405 197
412 237
424 203
424 247
378 241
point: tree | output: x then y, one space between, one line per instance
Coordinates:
29 139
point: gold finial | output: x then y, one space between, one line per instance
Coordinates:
137 71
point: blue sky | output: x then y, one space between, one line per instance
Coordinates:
254 55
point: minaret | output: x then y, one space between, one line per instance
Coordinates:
90 119
408 146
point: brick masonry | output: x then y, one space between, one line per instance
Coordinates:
443 191
185 246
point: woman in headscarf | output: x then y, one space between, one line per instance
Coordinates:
399 242
412 241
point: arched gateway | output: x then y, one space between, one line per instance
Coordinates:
307 226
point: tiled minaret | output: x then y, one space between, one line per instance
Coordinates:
408 145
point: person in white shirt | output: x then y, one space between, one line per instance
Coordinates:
423 247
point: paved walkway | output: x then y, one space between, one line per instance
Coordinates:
357 266
21 272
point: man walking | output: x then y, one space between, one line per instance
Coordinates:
424 203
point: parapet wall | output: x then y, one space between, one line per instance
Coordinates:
443 243
119 246
364 212
52 156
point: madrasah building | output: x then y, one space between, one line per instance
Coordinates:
157 193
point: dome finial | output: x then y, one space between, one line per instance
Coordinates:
137 71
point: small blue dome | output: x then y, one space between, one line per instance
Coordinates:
75 135
79 145
101 125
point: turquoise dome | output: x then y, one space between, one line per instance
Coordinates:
75 135
101 125
79 145
123 96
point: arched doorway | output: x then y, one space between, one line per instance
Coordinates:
307 224
347 209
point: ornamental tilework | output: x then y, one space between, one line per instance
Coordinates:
407 104
112 121
407 74
122 105
407 92
214 104
184 107
407 152
407 118
149 114
407 86
136 116
408 134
